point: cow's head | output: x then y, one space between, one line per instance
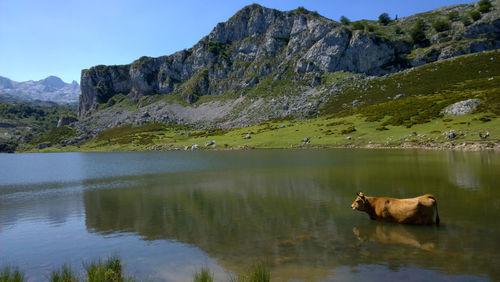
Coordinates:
360 203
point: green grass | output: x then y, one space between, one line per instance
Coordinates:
203 275
55 136
11 274
109 270
65 274
258 273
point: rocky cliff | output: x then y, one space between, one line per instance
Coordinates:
279 57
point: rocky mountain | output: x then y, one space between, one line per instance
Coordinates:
50 89
265 63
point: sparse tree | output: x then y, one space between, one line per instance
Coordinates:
453 16
384 18
441 25
344 20
475 15
417 32
484 6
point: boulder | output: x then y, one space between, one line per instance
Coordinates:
462 107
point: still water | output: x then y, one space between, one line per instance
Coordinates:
167 214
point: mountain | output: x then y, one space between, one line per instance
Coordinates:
265 63
50 89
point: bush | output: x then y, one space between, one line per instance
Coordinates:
475 15
358 26
453 16
348 130
441 25
484 6
417 32
370 28
465 20
344 20
384 18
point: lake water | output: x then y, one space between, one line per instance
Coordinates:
167 214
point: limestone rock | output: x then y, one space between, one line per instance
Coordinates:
462 107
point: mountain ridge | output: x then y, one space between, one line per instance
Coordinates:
49 89
264 51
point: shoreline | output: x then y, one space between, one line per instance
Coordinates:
468 146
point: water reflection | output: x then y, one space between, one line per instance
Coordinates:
292 218
421 237
290 208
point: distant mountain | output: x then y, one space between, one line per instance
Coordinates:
50 89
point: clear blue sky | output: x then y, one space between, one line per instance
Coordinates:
39 38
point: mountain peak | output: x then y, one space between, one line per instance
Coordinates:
53 81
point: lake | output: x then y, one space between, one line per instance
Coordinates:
167 214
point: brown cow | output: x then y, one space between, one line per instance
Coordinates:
419 210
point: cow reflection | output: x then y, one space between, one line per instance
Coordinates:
396 234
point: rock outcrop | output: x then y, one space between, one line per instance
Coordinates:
258 45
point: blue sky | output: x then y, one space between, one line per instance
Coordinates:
39 38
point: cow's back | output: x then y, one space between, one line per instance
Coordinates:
418 210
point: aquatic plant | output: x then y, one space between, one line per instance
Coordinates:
203 275
11 274
110 270
65 274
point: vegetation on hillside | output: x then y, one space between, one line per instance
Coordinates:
390 110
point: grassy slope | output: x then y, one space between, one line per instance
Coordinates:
428 89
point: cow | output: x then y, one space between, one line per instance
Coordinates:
418 210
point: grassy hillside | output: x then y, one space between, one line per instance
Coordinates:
21 123
378 119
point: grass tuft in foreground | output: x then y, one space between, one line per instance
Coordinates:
110 270
258 273
65 274
10 274
203 276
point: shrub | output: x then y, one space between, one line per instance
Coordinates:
453 16
465 20
441 25
417 32
344 20
384 18
370 28
348 130
475 15
484 6
358 26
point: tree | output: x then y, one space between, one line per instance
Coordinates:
417 32
484 6
475 15
384 18
453 16
441 25
344 20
